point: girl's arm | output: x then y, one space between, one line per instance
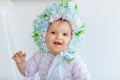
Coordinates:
21 68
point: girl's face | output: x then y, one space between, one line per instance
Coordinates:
58 36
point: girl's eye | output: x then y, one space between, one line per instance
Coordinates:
65 34
53 32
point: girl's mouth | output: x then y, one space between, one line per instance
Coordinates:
57 43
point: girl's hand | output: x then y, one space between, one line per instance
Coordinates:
19 57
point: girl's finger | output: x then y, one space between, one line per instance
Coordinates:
20 53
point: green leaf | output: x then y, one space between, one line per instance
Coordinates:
69 60
64 2
43 15
34 36
76 6
81 31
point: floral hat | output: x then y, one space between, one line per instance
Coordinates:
52 13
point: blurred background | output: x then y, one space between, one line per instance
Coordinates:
101 43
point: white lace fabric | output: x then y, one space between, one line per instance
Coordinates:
42 63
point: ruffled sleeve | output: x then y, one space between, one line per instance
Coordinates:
32 66
80 71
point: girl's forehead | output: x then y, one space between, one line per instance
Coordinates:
60 24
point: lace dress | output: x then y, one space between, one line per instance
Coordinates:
41 63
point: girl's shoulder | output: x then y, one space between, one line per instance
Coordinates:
78 61
77 58
80 69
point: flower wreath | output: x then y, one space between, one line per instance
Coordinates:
52 13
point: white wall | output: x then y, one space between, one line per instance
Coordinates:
101 47
7 71
5 57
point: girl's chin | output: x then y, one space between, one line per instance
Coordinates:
55 53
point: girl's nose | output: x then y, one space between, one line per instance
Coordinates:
58 36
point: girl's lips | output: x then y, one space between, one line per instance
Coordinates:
57 43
